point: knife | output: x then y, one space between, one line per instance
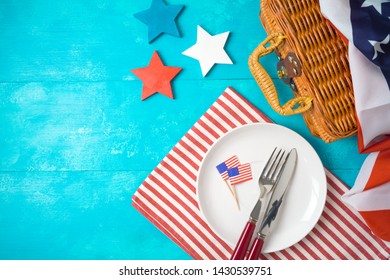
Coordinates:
246 235
273 206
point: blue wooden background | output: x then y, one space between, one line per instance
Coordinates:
76 140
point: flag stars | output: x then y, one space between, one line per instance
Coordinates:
378 45
377 4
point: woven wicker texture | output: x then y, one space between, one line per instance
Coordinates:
323 91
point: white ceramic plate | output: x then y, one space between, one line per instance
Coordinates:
254 143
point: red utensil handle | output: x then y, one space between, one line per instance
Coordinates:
255 250
243 243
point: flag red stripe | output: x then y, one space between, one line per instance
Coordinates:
232 162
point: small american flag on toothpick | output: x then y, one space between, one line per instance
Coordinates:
226 165
240 174
223 171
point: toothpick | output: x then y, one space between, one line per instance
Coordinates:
233 192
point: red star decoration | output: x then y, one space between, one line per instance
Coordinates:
156 77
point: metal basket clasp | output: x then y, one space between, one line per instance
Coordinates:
289 68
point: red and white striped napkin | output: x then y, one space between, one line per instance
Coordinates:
167 197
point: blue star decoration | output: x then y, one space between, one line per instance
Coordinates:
160 18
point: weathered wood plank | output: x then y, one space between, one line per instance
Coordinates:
105 126
88 41
77 215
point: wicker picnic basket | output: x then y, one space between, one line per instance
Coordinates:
313 62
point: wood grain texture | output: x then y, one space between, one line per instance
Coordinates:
75 139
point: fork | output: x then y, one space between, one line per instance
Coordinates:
267 180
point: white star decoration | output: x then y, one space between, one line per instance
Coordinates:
376 3
377 45
209 50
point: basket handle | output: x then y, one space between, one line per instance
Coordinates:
296 105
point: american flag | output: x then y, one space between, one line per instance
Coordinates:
371 31
366 26
226 165
240 174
